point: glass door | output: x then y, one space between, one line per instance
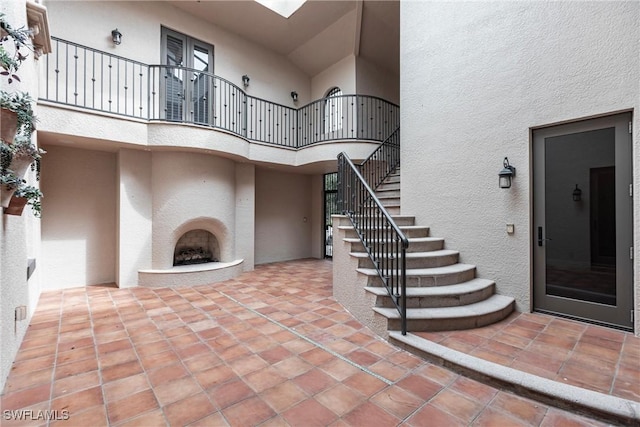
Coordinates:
188 78
582 238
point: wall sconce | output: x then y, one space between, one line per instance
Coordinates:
294 96
245 81
506 174
577 194
116 36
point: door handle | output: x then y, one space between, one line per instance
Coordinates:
541 240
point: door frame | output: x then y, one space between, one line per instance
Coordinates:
584 310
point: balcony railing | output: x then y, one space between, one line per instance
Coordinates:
87 78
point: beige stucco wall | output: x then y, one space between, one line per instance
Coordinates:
376 81
341 74
272 76
134 214
78 217
474 81
191 191
283 216
19 235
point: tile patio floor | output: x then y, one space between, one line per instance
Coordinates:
271 347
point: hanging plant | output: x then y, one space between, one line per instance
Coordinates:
21 104
20 155
10 62
9 183
33 197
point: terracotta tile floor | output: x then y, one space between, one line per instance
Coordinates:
588 356
270 348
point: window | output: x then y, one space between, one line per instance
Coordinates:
333 110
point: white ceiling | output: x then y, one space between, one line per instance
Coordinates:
318 34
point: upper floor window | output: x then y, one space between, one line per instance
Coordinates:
333 110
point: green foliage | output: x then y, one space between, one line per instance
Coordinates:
22 104
19 37
33 196
11 181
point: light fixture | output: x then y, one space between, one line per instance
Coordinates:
245 81
506 174
294 96
116 36
577 194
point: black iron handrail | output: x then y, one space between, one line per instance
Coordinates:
88 78
383 161
383 240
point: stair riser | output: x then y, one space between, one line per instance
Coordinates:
390 201
386 193
413 246
389 186
422 262
414 232
392 210
435 325
401 221
428 281
440 300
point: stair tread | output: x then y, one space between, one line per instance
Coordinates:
492 304
433 271
460 288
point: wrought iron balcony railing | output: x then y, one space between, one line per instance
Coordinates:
87 78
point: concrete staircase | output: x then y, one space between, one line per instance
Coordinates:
442 293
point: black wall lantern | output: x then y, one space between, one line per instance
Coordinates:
294 96
506 174
245 81
577 194
116 36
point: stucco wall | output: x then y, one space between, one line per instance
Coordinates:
78 217
191 191
341 74
376 81
135 213
475 79
245 221
272 76
19 235
283 216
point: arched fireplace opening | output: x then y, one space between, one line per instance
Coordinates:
196 247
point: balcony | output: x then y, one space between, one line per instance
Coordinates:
89 79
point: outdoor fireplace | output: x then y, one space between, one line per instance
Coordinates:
196 247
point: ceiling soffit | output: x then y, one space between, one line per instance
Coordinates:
317 35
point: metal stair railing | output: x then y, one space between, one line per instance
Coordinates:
382 238
383 161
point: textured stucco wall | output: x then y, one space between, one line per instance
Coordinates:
135 198
78 217
342 74
283 216
476 77
245 221
191 191
19 235
376 81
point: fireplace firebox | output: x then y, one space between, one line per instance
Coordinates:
196 247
